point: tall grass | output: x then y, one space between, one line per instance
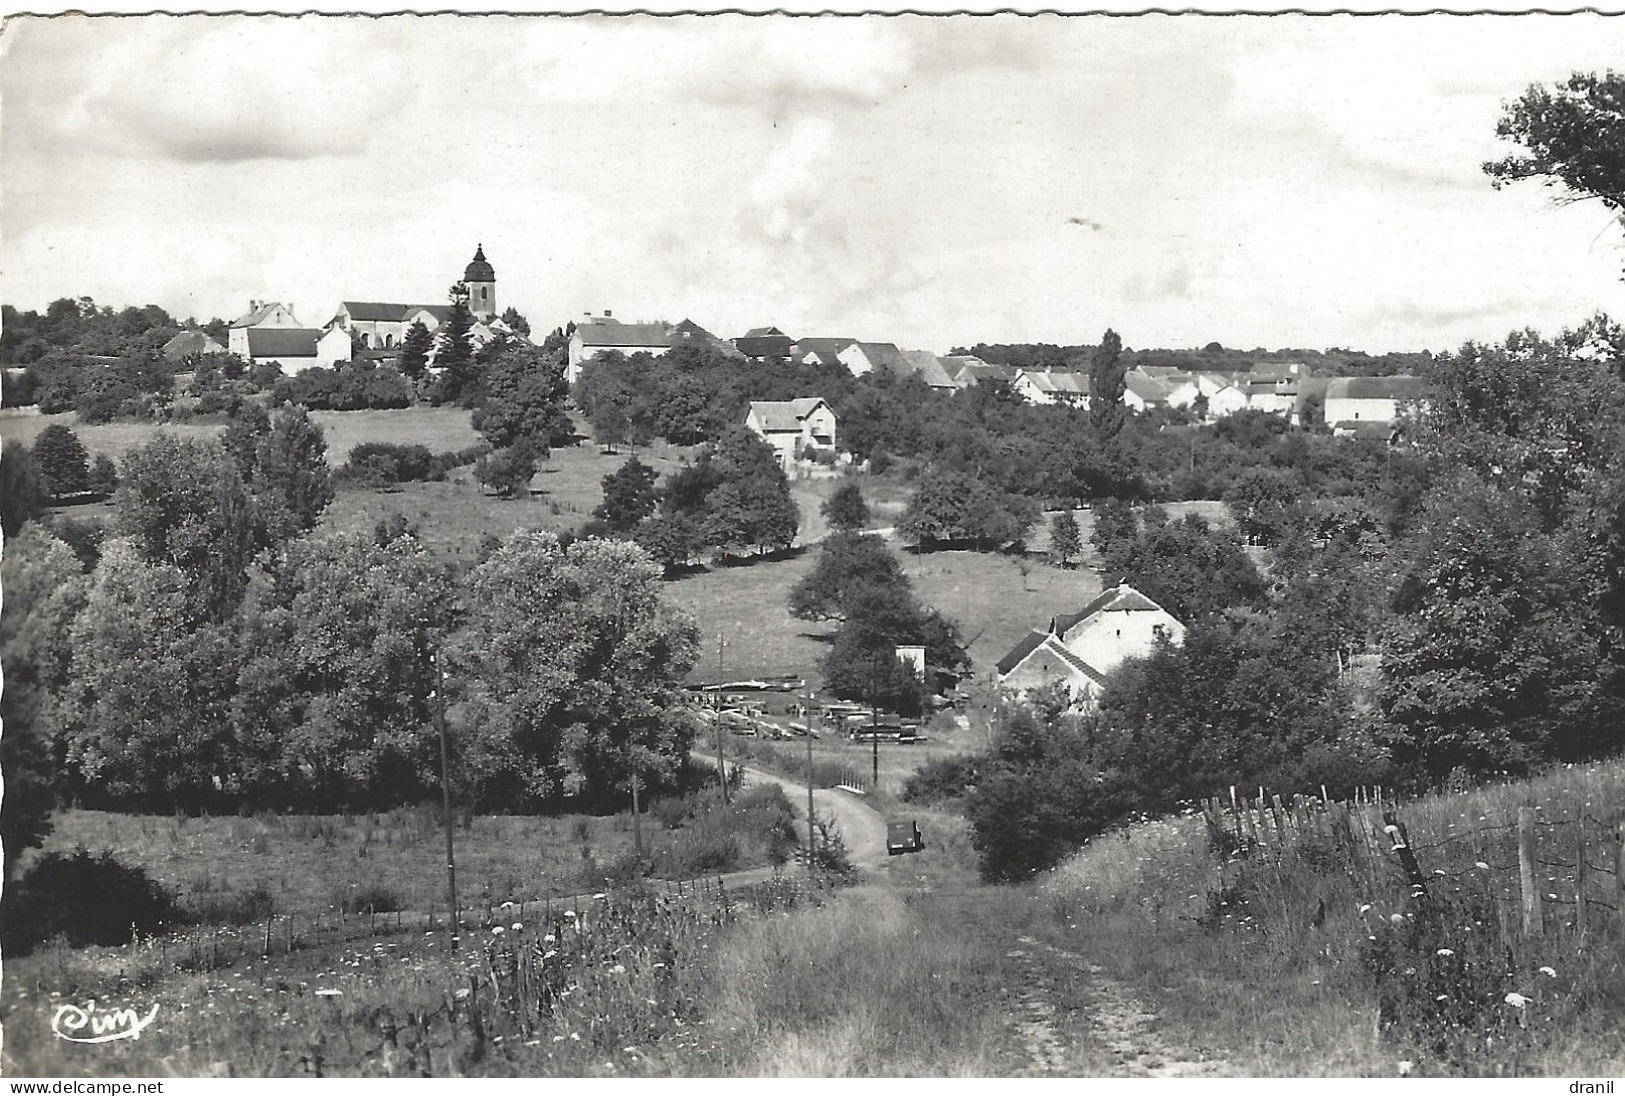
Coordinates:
1363 975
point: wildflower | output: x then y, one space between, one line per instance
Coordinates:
1397 918
1548 972
549 939
1444 951
1405 1068
1481 866
330 993
599 895
1516 1000
517 926
575 1037
497 931
617 969
506 906
1365 907
570 913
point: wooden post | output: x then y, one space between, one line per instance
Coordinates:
1402 848
1533 919
268 921
1280 827
1619 864
1235 811
1580 871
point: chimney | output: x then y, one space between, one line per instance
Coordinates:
608 315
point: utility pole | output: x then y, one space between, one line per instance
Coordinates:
445 793
810 869
637 825
722 766
874 729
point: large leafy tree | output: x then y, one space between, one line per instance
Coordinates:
63 464
523 394
950 507
570 669
291 484
44 591
845 560
183 504
1572 135
147 714
845 509
629 497
1192 569
333 704
1065 539
415 347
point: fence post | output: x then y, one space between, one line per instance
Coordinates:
1619 865
1533 921
1407 858
1241 836
1580 871
1280 827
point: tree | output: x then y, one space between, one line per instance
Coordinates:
570 665
103 478
1261 500
1108 380
845 510
508 471
183 504
62 462
629 496
334 701
523 394
1193 569
516 320
845 560
291 483
454 353
951 507
415 347
241 437
22 497
44 591
148 707
1065 540
1572 134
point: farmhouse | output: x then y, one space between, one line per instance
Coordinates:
597 335
866 357
1141 392
1079 649
295 349
189 344
1370 399
260 316
819 351
794 428
760 343
967 370
1046 387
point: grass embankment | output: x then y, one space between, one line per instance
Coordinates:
1302 963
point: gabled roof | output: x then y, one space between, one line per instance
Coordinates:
929 368
188 343
1057 384
624 334
984 371
1121 598
885 356
376 310
258 315
1170 381
1376 388
823 357
1036 641
282 342
1377 429
763 332
784 416
1145 388
441 312
763 346
689 331
821 346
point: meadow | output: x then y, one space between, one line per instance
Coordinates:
1365 977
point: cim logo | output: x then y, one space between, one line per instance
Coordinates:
88 1025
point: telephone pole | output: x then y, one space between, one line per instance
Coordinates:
445 793
722 765
810 869
637 825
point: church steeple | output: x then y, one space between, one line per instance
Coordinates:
481 280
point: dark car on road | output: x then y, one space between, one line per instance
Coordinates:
903 837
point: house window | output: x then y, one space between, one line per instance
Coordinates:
389 340
366 340
1159 631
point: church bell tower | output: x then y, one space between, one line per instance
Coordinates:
482 286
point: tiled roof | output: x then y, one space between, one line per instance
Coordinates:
929 368
376 310
822 346
282 342
1018 654
1035 641
1121 598
763 332
257 316
984 371
783 416
1364 428
1058 384
885 356
1145 388
188 343
1375 388
624 334
763 346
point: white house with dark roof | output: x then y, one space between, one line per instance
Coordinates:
865 357
295 349
1045 386
601 334
819 351
1142 392
929 368
1080 649
260 315
190 344
1370 399
793 428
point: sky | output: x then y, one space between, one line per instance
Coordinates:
1263 182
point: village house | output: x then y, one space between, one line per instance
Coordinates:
190 344
1223 397
761 343
1352 400
597 335
1276 390
1142 392
794 428
260 315
1044 387
865 357
295 349
1080 649
967 370
929 368
819 351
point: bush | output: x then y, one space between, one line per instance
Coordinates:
85 900
248 907
944 778
372 897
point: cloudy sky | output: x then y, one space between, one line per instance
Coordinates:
1263 182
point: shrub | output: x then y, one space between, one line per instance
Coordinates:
85 900
944 778
235 908
371 897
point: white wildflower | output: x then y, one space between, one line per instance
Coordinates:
1365 907
517 926
1516 1000
330 993
1444 951
1397 918
1481 866
1405 1068
497 931
1548 972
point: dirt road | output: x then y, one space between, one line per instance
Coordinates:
862 827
